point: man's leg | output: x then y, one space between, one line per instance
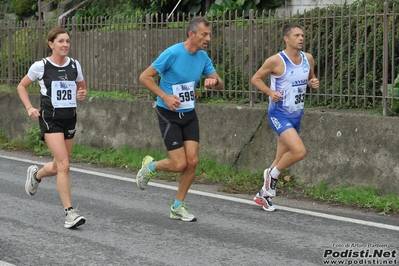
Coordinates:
291 149
178 210
184 160
188 174
281 150
175 163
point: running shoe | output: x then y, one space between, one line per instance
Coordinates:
181 213
270 183
31 183
144 175
265 202
73 219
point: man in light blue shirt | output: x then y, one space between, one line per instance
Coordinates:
181 67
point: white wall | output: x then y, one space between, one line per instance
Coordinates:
300 5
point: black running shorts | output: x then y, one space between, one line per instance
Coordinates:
51 125
177 127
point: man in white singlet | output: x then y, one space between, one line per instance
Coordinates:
291 71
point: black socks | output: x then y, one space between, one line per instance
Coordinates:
68 209
34 176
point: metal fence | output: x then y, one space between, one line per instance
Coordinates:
354 49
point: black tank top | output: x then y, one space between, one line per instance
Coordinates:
54 73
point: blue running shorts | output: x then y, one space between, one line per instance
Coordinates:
281 124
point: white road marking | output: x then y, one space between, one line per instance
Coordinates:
3 263
212 195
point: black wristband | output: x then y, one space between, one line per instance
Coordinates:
217 81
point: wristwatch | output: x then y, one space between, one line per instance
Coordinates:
217 81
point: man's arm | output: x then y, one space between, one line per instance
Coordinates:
213 81
268 67
147 79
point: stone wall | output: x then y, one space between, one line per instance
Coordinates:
343 147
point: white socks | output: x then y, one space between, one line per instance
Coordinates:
274 173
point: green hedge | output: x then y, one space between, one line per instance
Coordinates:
348 34
24 7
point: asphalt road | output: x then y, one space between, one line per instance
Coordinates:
127 226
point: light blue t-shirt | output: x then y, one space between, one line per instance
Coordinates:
180 72
292 85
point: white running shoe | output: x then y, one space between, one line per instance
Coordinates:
144 174
265 202
31 184
270 183
73 219
181 213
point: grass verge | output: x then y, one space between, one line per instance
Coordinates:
209 172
